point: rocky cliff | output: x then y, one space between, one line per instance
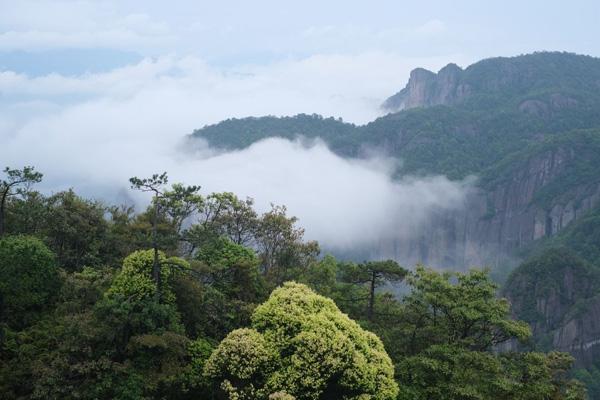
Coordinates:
426 88
490 82
502 216
557 292
528 129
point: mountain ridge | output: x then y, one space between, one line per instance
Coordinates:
517 76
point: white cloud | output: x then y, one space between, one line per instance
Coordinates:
343 203
349 86
131 120
122 39
43 25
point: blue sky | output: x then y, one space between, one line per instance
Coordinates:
93 92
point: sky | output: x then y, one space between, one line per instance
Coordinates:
93 92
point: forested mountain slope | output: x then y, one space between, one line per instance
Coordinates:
524 126
528 128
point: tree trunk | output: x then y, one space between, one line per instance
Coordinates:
371 297
156 266
2 211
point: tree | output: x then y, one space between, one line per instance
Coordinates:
17 182
239 221
281 247
231 287
155 185
76 230
26 215
446 340
178 203
465 312
301 345
223 214
135 279
232 269
29 280
374 274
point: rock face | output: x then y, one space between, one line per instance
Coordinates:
580 335
497 78
529 199
492 224
426 88
556 293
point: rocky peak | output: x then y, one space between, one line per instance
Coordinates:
504 79
426 88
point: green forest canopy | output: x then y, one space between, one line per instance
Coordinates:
81 319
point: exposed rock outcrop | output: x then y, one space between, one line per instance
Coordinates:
493 223
557 294
580 334
500 79
426 88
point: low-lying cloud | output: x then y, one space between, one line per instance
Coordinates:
95 131
341 202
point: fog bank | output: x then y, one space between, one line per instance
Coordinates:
93 132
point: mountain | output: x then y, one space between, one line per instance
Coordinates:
528 127
529 80
557 291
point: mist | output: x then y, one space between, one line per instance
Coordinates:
94 131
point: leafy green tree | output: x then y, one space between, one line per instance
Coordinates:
446 335
59 356
154 185
374 274
301 345
466 312
223 214
16 183
26 215
281 245
178 203
322 276
76 230
240 221
232 269
29 280
135 278
222 288
101 345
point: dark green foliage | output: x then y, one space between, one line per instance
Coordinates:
448 332
29 280
231 288
241 133
95 345
373 275
76 230
103 334
590 377
543 277
16 183
465 138
581 237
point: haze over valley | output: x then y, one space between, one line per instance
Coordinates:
341 200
